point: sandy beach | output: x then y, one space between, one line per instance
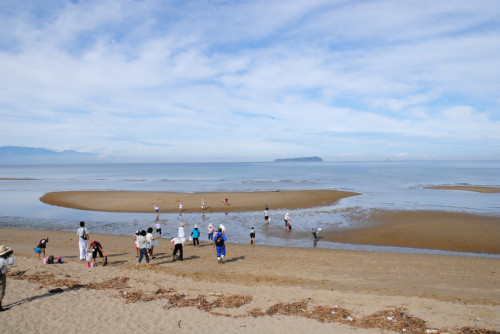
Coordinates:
142 201
417 229
258 289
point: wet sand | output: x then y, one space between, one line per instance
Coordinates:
258 289
486 190
459 232
415 229
142 201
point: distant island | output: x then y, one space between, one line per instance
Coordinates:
20 154
304 159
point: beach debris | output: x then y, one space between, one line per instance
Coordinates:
468 330
349 318
45 279
112 283
397 320
56 290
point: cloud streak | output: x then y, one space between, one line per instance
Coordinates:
253 80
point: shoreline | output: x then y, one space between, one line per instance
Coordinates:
433 230
442 292
144 201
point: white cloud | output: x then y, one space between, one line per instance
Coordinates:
252 79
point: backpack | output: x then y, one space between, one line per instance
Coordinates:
219 241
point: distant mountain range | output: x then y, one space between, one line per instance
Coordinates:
19 154
304 159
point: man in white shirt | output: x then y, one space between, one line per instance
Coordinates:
176 245
83 240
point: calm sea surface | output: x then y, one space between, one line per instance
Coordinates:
383 185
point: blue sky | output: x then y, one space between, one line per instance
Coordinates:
252 80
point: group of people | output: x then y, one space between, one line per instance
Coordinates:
89 251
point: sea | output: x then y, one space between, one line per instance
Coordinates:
393 185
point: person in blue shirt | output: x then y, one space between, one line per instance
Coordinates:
195 233
220 245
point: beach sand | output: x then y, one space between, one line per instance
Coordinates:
452 231
486 190
260 289
143 201
417 229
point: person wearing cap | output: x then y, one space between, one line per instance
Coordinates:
220 245
6 259
210 230
195 233
96 248
176 246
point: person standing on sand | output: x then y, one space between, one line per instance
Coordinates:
83 238
195 233
202 204
210 230
181 235
136 234
143 252
149 238
180 208
6 259
220 245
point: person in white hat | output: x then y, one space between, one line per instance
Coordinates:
6 259
195 233
210 230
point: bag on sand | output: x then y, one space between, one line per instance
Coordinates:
219 241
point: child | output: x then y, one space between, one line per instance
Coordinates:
149 238
158 230
42 244
6 259
141 244
220 245
135 242
97 248
252 236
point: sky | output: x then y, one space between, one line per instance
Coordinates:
185 81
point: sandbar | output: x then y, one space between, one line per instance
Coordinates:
144 201
486 190
260 289
441 230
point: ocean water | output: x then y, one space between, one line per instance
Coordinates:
382 185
